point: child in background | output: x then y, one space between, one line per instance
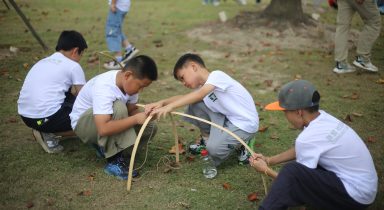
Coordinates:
105 114
217 98
115 36
49 91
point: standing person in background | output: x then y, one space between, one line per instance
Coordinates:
49 91
115 36
369 13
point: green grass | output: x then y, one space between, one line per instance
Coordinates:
30 176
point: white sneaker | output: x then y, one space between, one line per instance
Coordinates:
48 141
112 65
129 55
367 65
343 67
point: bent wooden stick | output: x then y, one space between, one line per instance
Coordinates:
132 161
177 143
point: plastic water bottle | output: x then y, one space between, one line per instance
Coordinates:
209 168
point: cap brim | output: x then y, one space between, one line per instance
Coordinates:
275 106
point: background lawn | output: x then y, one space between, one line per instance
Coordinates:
165 29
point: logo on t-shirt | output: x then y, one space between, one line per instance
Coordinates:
212 96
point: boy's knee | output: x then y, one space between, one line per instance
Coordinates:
120 110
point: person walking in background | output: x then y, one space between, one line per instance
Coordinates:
369 13
115 36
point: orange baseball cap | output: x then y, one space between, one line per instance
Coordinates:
297 94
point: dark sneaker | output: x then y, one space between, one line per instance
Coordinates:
112 65
119 169
365 64
48 141
129 54
343 67
99 151
195 149
244 154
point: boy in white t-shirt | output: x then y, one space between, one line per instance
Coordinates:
105 114
333 167
216 97
115 36
49 90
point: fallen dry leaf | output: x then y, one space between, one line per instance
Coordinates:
263 129
354 96
252 197
380 81
268 82
85 193
348 118
226 186
274 136
30 204
191 158
173 149
371 139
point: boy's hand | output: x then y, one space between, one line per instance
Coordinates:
140 117
150 107
259 164
113 8
161 112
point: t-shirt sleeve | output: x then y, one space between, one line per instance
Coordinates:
218 79
307 154
133 99
102 100
78 77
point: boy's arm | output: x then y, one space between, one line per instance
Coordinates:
288 155
75 89
189 98
107 127
113 6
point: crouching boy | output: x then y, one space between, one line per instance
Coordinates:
105 114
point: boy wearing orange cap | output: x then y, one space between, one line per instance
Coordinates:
330 168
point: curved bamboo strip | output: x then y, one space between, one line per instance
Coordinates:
137 141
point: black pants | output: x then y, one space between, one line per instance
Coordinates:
298 185
58 122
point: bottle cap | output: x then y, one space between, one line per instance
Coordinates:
204 152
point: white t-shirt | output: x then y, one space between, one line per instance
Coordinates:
333 145
44 88
99 94
122 5
231 99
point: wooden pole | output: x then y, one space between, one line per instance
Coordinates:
176 140
21 14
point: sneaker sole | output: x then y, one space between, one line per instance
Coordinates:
130 56
363 67
338 71
40 140
111 68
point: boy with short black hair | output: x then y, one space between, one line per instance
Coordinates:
49 90
105 114
333 167
217 98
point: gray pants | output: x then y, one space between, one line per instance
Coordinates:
220 144
370 15
86 130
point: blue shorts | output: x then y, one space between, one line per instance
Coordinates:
113 30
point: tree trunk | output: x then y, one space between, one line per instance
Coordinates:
285 10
